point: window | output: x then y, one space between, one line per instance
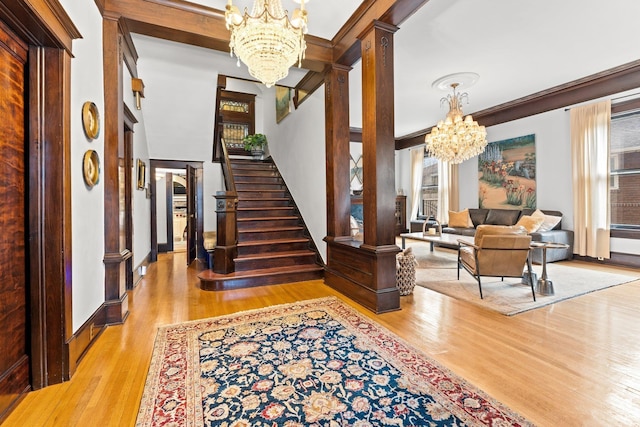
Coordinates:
624 155
429 205
237 114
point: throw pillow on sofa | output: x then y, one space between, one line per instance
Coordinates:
502 216
530 223
460 219
549 221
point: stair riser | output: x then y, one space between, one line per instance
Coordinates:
265 213
248 194
272 248
251 164
245 186
262 203
267 223
257 180
255 173
253 264
246 236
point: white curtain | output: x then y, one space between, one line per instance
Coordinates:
417 160
448 193
590 161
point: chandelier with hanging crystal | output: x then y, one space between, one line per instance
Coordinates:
455 140
267 40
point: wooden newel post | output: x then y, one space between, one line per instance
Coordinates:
227 232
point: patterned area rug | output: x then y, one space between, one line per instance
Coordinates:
437 271
311 363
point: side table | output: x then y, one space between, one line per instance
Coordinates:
544 286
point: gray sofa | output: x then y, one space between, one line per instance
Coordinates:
510 217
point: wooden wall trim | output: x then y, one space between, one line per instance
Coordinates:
616 259
605 83
50 214
130 54
114 283
355 134
346 44
136 271
625 106
85 336
129 118
40 22
309 84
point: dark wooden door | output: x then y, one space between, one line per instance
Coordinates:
14 358
192 185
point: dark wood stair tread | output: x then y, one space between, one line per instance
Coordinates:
270 255
267 208
267 229
264 199
273 241
268 218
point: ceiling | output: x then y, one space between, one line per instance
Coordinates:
518 47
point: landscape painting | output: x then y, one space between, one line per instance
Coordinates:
283 102
507 174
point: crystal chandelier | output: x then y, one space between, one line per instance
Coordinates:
267 40
455 140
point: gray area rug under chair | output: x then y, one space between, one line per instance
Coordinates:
438 271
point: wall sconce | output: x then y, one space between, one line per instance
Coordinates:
138 90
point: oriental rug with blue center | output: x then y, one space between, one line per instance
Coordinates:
310 363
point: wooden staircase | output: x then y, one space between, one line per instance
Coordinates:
273 243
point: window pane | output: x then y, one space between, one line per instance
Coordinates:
625 160
234 133
241 107
625 141
625 201
429 203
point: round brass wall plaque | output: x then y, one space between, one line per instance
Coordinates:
91 168
90 120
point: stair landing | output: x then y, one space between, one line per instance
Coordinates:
210 281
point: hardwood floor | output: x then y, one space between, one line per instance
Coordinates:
574 363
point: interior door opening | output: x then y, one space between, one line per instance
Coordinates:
171 188
176 208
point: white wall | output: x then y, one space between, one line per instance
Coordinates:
140 205
87 204
297 146
179 108
553 162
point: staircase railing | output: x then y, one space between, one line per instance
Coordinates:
226 213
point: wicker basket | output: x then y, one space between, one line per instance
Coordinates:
405 272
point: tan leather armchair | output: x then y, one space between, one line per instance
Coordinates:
497 251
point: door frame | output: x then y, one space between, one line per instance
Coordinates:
49 32
176 164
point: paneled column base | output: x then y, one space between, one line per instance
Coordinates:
116 311
366 274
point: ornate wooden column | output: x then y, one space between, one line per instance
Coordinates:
336 98
365 272
378 155
115 251
378 142
227 237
